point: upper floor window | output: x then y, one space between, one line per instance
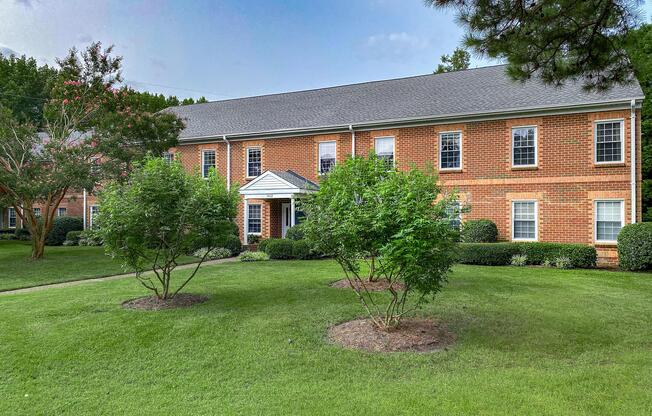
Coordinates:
524 220
62 211
207 162
385 149
524 146
254 162
37 212
94 211
95 165
609 219
609 141
168 157
11 213
254 219
327 158
450 150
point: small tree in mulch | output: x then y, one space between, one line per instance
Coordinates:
161 214
362 208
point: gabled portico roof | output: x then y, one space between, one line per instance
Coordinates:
274 184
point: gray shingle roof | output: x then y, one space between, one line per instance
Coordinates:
295 179
468 92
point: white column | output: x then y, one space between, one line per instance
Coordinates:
292 211
85 208
246 221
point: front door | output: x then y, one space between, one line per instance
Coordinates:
286 218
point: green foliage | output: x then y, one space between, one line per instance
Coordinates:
214 254
73 237
635 246
162 213
501 254
22 234
563 262
295 233
62 226
7 236
301 250
460 59
519 260
365 212
279 248
90 238
253 239
479 231
559 40
233 244
248 256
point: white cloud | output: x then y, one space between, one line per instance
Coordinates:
395 46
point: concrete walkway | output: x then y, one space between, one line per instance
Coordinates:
107 278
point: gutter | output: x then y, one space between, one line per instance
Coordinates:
632 132
352 141
228 162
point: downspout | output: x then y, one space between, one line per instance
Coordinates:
352 141
632 131
228 162
84 214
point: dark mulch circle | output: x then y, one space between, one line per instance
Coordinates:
412 335
153 303
375 286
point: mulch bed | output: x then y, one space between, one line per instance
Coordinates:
412 335
153 303
375 286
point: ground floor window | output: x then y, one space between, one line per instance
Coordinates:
61 212
11 213
524 220
609 219
37 212
254 223
94 211
454 213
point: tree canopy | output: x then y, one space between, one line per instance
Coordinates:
458 60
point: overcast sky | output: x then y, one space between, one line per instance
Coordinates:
234 48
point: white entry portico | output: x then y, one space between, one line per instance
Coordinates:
276 185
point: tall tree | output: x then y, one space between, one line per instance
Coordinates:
86 120
559 40
458 60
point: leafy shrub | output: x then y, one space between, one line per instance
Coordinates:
61 227
519 260
72 238
214 254
295 233
7 236
233 244
253 239
262 244
500 254
7 231
90 238
301 250
487 254
253 256
635 246
563 263
23 234
548 263
280 248
479 231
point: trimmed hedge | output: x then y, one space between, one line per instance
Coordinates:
233 244
279 248
479 231
635 246
23 234
295 233
500 254
61 227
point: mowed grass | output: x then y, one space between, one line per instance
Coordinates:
60 264
530 341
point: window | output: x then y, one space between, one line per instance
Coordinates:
37 212
524 146
254 162
11 213
385 149
524 220
609 219
61 211
168 157
94 211
454 213
327 156
450 150
95 165
207 162
254 219
609 141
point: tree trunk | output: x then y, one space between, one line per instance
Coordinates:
38 246
372 270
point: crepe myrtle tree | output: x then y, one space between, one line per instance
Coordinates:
364 209
160 214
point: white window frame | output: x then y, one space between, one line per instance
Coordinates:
393 147
595 218
440 150
260 149
536 220
95 165
9 211
536 147
168 157
203 155
90 214
622 141
249 219
319 153
35 210
65 211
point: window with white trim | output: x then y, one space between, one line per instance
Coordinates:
37 212
254 219
609 219
524 220
609 141
95 165
168 157
11 214
385 149
450 150
454 213
327 156
524 146
94 210
207 162
254 162
62 211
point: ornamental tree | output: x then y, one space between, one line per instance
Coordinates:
162 213
364 209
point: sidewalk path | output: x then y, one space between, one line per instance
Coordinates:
106 278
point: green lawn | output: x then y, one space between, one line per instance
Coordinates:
59 265
531 341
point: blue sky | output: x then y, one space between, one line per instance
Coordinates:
234 48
